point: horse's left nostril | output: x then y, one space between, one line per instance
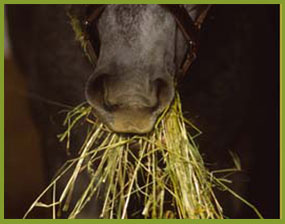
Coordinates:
164 93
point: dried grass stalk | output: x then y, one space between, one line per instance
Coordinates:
162 171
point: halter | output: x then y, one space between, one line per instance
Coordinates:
189 28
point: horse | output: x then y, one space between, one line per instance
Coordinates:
138 60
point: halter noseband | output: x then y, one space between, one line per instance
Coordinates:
189 28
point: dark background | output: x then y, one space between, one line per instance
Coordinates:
232 93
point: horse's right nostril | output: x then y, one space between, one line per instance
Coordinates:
94 91
97 94
110 107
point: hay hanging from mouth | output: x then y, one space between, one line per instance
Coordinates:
162 171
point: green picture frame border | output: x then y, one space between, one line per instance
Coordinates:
138 221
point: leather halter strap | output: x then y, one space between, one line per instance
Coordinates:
90 25
189 28
190 33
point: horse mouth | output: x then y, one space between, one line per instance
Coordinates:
128 122
129 127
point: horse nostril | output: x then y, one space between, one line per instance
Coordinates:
97 94
110 107
126 106
164 92
94 91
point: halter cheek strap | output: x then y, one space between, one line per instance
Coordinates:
190 30
90 26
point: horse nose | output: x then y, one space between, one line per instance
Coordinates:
126 106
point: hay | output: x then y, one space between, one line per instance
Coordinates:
162 171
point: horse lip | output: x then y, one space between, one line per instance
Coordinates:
131 128
126 123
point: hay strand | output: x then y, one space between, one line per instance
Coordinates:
162 171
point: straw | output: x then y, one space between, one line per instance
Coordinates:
162 171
